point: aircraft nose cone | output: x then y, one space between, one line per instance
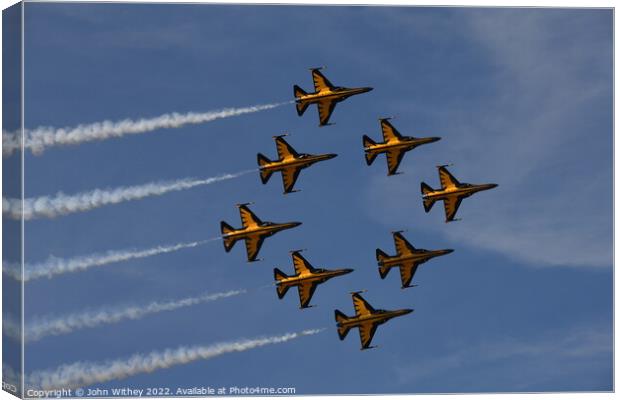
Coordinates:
434 139
448 251
493 185
330 156
295 224
407 311
348 270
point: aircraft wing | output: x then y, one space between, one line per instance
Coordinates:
367 332
320 81
248 219
446 178
389 132
451 205
289 177
253 245
394 157
407 271
402 245
325 107
306 290
300 264
361 306
285 151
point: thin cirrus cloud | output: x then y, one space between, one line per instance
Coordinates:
544 136
571 348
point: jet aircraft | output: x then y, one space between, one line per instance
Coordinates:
394 145
366 318
306 278
452 192
254 231
407 259
325 95
289 163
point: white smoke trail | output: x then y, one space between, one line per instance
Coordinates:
83 373
37 140
43 327
56 266
63 204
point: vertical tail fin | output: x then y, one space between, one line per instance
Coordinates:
342 330
370 155
383 270
264 174
228 241
428 203
279 276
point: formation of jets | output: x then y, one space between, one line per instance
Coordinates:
290 163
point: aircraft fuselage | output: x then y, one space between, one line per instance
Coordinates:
465 190
378 317
263 230
337 93
419 258
304 161
406 143
318 276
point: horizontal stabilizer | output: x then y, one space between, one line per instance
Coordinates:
301 107
370 155
264 174
384 271
428 204
342 330
299 91
381 255
279 275
425 189
228 241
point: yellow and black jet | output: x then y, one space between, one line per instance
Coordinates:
407 259
394 145
325 95
366 318
452 192
306 278
254 231
289 163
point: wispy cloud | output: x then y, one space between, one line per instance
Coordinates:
41 138
550 351
56 266
63 204
542 130
85 373
41 327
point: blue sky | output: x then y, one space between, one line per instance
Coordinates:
521 97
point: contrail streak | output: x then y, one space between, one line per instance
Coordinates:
43 327
56 266
63 204
38 139
84 373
